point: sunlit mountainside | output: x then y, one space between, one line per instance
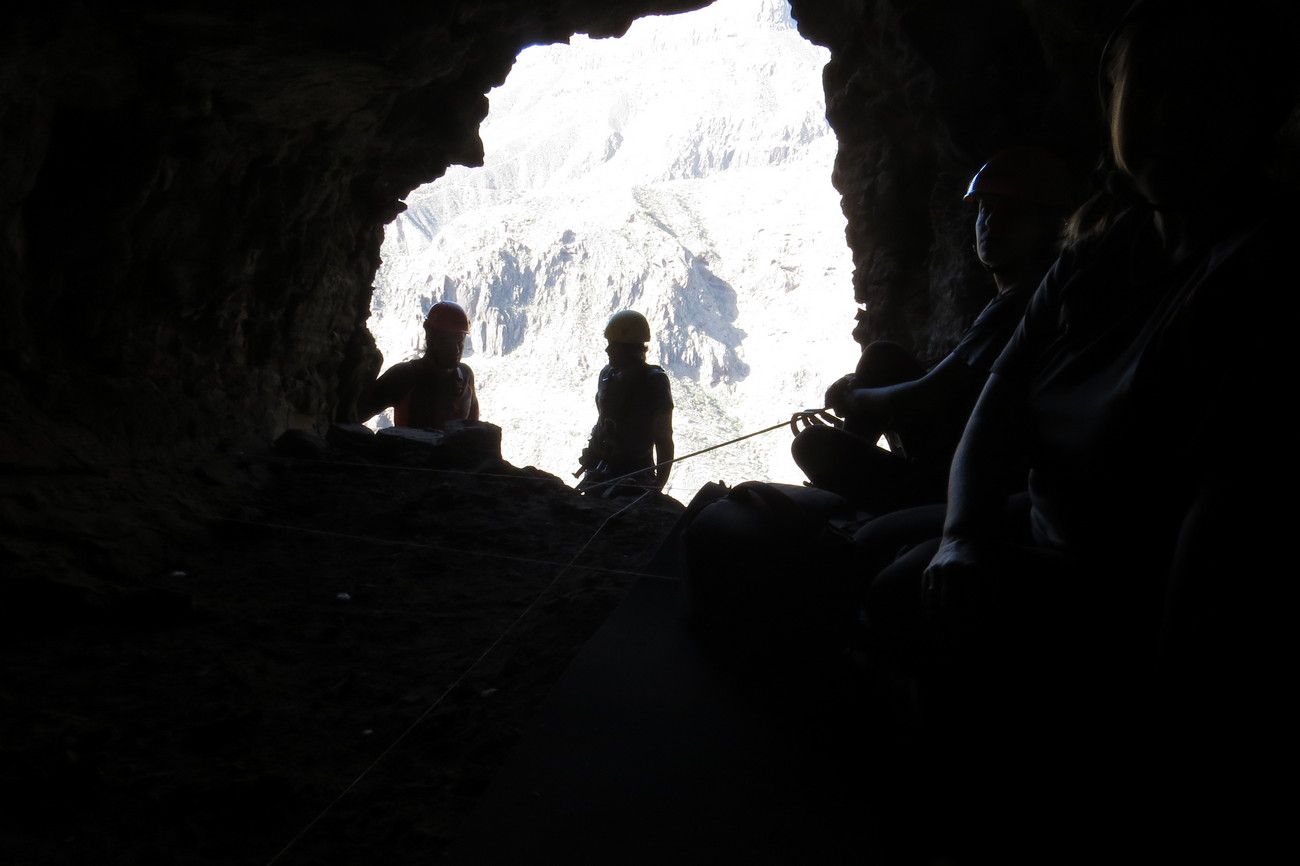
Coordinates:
683 171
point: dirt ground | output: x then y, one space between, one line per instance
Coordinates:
211 714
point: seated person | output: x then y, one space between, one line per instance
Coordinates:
435 388
1023 195
634 401
1135 618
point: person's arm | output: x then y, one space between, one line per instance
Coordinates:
991 444
663 436
473 394
384 392
994 441
950 384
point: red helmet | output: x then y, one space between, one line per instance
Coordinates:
447 316
1028 173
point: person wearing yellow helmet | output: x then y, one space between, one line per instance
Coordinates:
434 389
634 404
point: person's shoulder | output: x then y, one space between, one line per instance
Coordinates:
1111 243
402 369
465 368
658 375
659 385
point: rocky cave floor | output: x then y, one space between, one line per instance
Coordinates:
210 712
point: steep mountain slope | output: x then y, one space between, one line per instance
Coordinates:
684 171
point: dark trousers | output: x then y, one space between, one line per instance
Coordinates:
847 461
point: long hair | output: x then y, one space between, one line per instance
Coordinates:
1233 72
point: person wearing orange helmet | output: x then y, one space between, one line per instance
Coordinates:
435 388
1023 196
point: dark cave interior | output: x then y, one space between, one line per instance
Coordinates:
192 201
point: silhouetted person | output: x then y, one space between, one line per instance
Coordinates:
435 388
1023 194
634 402
1138 389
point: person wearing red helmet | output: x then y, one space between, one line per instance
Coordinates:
1023 196
435 388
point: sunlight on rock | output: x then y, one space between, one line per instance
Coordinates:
682 170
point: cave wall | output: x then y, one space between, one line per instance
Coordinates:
192 200
920 93
192 197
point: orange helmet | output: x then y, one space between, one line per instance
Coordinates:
1028 173
447 316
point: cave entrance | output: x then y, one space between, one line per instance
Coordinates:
683 171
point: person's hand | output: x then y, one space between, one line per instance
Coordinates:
801 421
839 395
959 579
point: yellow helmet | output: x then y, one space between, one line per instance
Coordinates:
627 326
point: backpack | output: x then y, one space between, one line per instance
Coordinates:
767 573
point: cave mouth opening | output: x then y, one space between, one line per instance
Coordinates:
682 170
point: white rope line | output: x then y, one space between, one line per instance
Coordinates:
399 468
548 477
600 484
396 542
424 715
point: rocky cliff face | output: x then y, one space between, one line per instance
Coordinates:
682 170
191 198
191 204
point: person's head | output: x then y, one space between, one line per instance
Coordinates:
1195 98
627 333
1024 195
625 354
444 331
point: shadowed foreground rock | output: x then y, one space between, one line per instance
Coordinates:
209 717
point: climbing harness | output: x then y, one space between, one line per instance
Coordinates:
456 682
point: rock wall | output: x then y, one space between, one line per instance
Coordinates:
192 197
920 93
192 201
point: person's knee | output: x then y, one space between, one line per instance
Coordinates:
885 539
810 447
893 598
886 363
